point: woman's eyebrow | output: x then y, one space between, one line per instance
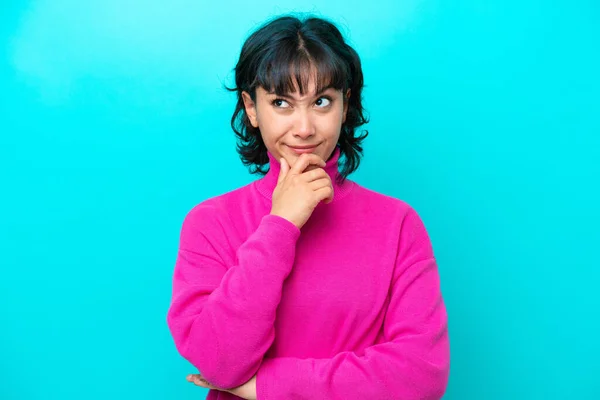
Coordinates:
287 96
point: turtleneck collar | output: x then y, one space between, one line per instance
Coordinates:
267 183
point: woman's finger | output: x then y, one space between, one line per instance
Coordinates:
198 380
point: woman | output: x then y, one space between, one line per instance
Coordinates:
304 284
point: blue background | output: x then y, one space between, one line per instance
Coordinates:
485 117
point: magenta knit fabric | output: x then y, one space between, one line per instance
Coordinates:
348 307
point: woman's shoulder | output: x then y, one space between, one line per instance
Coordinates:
400 215
214 209
382 200
393 213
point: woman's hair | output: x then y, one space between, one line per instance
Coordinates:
287 51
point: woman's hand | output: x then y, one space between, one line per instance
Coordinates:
300 189
246 391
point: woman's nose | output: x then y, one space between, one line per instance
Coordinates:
304 126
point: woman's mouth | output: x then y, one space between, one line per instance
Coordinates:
303 149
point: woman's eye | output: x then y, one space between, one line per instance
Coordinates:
280 103
323 102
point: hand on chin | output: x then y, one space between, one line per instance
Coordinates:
291 160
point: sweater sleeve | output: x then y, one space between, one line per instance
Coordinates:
222 316
414 359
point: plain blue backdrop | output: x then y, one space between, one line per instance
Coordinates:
485 117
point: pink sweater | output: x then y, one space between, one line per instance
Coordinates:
348 307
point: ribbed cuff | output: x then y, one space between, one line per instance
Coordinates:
282 378
282 223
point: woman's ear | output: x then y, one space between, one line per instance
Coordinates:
346 101
250 107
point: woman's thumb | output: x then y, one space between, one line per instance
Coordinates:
283 170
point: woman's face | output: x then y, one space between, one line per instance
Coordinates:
312 121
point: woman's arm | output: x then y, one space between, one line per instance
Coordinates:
222 316
412 364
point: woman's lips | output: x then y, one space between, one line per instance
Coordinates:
298 150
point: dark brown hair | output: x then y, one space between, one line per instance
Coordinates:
285 51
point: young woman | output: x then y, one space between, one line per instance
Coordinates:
304 284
